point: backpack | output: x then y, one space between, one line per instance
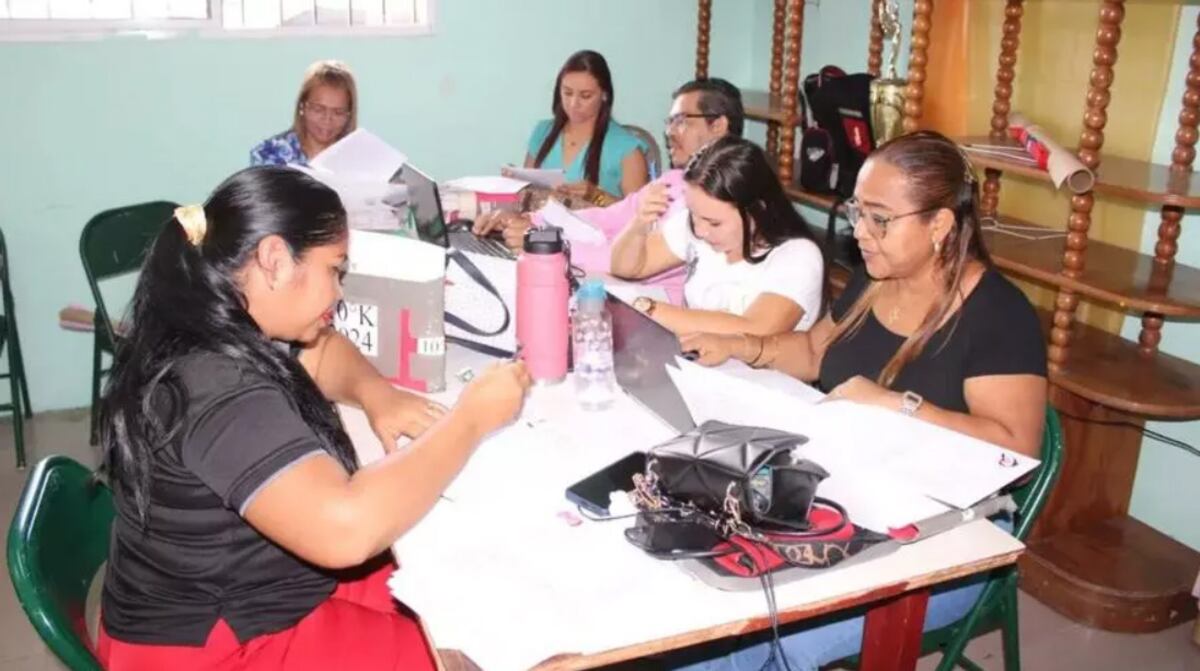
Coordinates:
836 143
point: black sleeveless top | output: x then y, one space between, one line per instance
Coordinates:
995 333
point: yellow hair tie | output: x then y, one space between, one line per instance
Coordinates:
195 225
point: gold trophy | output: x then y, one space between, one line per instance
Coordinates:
887 94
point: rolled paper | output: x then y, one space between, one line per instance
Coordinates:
1063 166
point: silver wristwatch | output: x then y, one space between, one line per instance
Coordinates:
910 403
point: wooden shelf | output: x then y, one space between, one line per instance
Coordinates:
1115 275
818 200
1126 178
762 106
1116 575
1107 369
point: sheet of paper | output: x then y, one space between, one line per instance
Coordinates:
361 155
771 379
846 437
492 184
574 228
626 292
547 178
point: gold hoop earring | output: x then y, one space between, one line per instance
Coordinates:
937 246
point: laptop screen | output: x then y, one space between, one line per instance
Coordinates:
426 205
642 348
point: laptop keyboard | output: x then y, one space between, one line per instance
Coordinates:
469 242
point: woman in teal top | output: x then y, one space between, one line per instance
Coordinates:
582 138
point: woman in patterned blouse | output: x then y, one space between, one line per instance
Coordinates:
326 110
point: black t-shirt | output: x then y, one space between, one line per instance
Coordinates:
996 332
197 560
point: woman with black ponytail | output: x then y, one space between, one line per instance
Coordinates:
247 535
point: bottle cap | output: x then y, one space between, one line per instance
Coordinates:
591 290
546 240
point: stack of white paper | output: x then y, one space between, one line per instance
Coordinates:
887 469
361 156
490 184
573 227
547 178
360 168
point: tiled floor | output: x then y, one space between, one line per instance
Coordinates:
1048 640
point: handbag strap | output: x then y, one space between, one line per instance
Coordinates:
479 278
843 520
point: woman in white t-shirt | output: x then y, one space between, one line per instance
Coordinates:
753 265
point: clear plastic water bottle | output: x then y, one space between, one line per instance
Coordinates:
592 345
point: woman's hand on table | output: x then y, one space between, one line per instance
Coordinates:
710 349
394 413
862 390
494 398
510 225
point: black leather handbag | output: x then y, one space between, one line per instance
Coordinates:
741 498
748 472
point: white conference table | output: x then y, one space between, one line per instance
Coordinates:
499 571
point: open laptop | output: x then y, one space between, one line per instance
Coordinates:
642 348
431 222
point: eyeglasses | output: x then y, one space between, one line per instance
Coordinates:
677 119
877 224
322 112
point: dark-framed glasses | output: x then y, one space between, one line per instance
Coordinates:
876 223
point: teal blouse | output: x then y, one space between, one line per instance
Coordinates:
618 142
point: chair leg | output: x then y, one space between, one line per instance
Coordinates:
953 654
1010 625
96 360
20 368
18 415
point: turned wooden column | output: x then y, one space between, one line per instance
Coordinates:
1010 42
875 46
918 57
793 41
1181 167
703 30
776 83
1091 139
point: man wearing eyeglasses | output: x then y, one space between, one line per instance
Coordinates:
702 110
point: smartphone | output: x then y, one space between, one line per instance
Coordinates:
591 493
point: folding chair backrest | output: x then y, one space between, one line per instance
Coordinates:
115 242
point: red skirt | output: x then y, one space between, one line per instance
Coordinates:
357 627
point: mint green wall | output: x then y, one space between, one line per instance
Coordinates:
1167 476
92 125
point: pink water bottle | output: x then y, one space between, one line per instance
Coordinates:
542 293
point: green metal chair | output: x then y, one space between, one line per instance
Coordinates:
115 243
58 539
996 606
18 404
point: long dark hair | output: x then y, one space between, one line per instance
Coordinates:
937 176
595 65
736 171
188 301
